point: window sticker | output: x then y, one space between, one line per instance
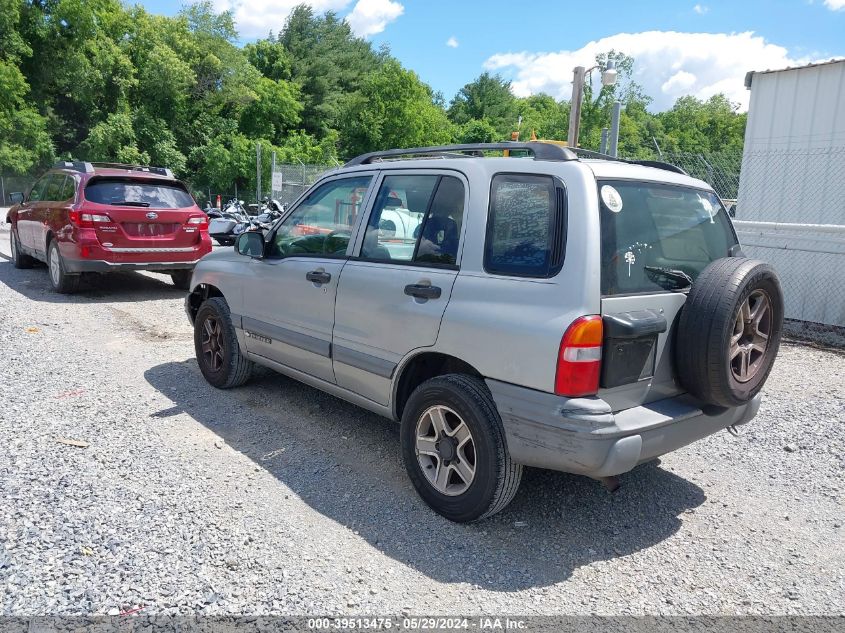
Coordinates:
611 198
709 208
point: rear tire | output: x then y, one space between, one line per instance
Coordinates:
182 279
61 281
729 331
216 345
19 258
454 450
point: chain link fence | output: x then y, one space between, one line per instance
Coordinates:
289 181
719 169
791 212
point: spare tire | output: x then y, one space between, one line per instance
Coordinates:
729 331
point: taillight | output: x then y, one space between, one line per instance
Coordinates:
87 220
201 222
579 358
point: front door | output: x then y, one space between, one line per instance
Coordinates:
289 297
393 293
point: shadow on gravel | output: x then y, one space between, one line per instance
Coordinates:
344 462
111 288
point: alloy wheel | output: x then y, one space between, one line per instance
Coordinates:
750 336
445 450
212 343
55 266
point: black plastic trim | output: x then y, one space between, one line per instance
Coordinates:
366 362
296 339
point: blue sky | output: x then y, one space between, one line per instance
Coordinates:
680 47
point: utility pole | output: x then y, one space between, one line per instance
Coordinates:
614 128
575 105
258 172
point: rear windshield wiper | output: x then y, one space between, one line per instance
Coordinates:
661 276
130 203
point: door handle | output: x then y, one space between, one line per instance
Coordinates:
318 276
422 291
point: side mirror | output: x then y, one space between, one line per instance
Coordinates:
251 244
16 197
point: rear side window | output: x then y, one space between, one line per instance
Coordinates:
526 226
649 230
416 218
138 193
68 189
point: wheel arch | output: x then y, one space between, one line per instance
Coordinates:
198 295
422 366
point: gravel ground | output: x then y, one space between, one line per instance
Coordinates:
276 498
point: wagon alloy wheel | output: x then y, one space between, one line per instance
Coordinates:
55 266
445 450
212 343
750 337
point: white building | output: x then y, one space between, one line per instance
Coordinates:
791 204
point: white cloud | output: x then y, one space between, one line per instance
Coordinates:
256 18
835 5
700 9
667 64
372 16
452 42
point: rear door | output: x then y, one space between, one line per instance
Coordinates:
393 293
141 214
654 237
44 210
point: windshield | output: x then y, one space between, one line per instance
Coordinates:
658 237
138 193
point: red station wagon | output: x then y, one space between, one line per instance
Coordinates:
103 217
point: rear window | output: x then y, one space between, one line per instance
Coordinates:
649 229
138 193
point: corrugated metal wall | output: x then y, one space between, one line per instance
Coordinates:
791 203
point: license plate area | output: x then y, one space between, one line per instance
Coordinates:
630 346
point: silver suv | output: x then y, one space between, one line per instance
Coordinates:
540 307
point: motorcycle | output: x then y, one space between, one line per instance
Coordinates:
222 228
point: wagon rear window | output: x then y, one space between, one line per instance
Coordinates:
650 232
137 193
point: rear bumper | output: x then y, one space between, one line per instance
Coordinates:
103 266
583 435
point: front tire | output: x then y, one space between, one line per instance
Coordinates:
216 345
61 281
19 258
454 450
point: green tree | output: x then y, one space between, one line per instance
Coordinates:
392 109
488 97
328 63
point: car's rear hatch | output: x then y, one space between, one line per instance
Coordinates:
655 238
142 214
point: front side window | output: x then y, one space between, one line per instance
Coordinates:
131 192
526 226
416 219
653 235
322 223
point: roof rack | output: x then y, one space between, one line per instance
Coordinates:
586 153
539 151
85 168
161 171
